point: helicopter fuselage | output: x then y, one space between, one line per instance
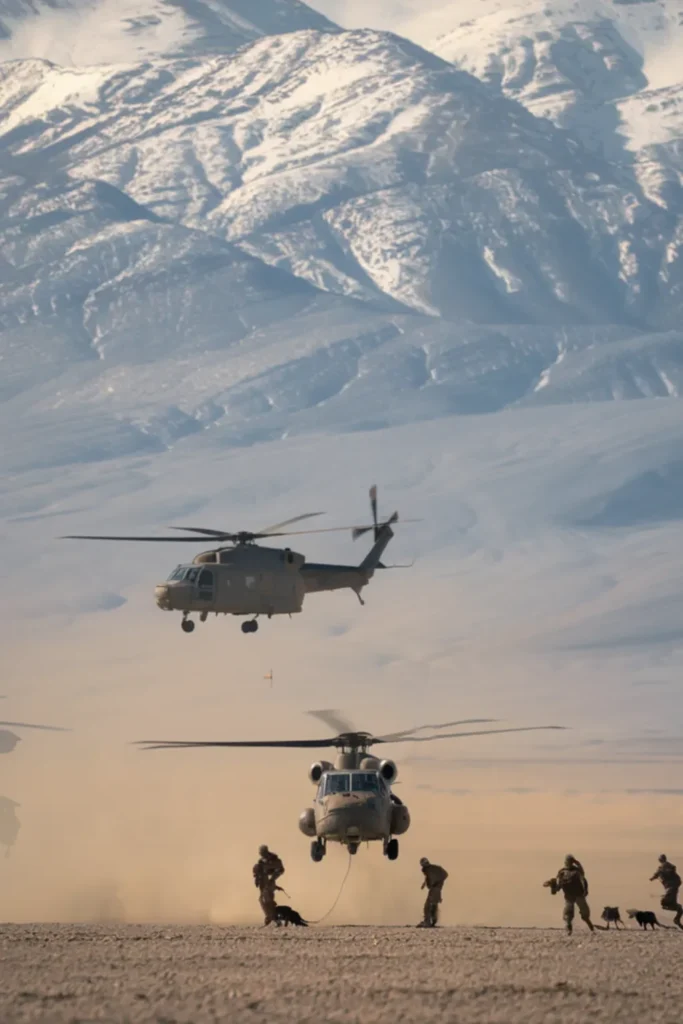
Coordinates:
252 580
354 805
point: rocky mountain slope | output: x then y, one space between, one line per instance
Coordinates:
272 239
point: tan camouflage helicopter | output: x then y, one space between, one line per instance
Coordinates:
354 802
239 577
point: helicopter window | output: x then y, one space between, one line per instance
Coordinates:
192 575
337 784
206 578
250 582
177 574
364 782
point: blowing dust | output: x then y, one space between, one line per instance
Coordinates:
172 837
112 833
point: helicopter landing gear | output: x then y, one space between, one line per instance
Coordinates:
250 627
353 848
391 849
187 625
317 850
203 616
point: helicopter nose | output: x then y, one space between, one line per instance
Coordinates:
162 593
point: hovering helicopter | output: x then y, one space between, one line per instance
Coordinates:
354 802
239 577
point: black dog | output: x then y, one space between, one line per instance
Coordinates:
645 918
287 916
612 914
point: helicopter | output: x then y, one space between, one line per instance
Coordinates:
239 577
354 802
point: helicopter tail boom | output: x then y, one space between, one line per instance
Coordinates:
384 535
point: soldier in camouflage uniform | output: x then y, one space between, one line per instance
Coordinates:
435 877
666 873
267 870
571 880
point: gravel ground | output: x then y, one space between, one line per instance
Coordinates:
178 975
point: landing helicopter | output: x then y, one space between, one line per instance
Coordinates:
247 579
354 802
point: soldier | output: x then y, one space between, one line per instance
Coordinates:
435 877
267 870
671 880
571 879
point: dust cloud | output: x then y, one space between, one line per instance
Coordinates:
112 833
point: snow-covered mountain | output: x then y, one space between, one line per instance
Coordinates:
318 218
575 61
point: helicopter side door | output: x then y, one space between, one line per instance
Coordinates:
206 583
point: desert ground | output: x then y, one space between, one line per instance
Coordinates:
192 975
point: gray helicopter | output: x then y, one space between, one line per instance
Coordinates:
354 802
239 577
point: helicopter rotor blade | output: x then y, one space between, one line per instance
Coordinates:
27 725
394 736
166 540
187 744
333 719
358 531
220 534
477 732
278 526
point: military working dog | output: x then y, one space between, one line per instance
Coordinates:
611 914
645 918
287 916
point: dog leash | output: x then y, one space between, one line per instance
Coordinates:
341 889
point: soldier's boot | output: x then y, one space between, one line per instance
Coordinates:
568 926
679 915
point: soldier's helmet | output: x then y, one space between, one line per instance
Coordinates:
423 862
262 851
569 861
662 858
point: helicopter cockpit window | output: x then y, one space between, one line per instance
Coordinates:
192 575
337 784
365 782
178 573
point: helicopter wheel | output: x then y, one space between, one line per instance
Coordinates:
317 851
187 625
353 848
391 849
250 627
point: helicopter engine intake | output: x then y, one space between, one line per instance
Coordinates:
388 770
307 822
315 772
